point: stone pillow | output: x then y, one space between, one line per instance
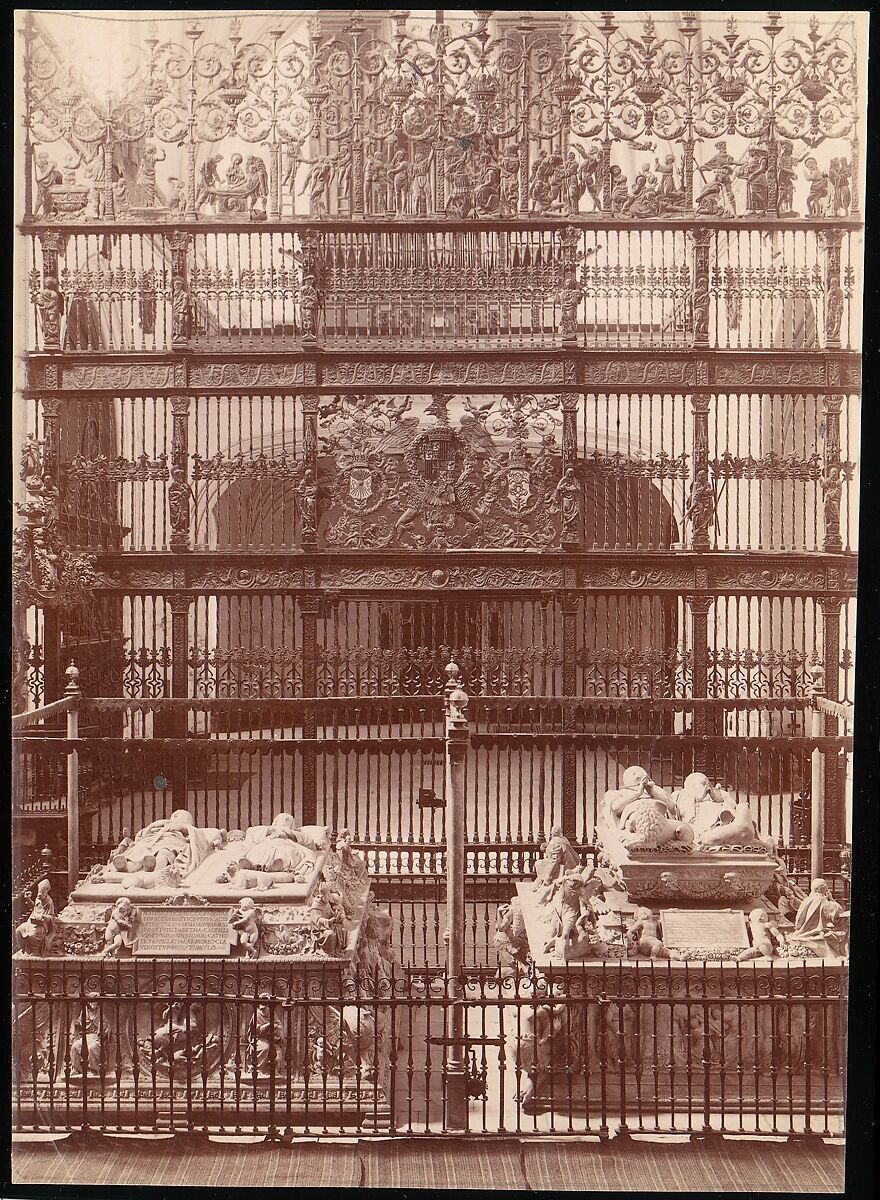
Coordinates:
313 837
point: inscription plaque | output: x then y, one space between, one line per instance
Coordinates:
704 928
187 932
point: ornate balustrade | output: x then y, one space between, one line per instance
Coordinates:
595 283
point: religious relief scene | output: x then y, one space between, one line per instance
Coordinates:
436 498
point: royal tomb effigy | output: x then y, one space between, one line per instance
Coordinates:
181 926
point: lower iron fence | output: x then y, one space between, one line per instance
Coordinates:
290 1049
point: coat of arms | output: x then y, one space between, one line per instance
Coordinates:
486 478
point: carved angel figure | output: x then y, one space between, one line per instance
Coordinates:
644 935
245 927
766 938
119 932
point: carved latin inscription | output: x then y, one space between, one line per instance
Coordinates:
704 928
182 932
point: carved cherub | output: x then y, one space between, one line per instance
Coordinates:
766 938
245 927
242 877
119 931
644 935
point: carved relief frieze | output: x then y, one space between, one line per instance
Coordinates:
743 374
490 577
769 579
246 374
775 466
138 579
116 470
439 373
113 377
667 372
252 578
616 578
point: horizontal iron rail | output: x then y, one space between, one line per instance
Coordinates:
832 708
292 704
268 745
531 737
443 225
57 708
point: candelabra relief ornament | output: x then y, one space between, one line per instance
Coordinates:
44 570
397 481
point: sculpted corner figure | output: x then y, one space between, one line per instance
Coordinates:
821 923
35 934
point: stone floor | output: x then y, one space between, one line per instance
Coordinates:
628 1165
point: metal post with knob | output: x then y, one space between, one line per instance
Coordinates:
817 777
72 693
455 1064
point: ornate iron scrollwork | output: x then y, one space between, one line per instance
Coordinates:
469 118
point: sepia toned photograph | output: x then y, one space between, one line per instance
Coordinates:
435 479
